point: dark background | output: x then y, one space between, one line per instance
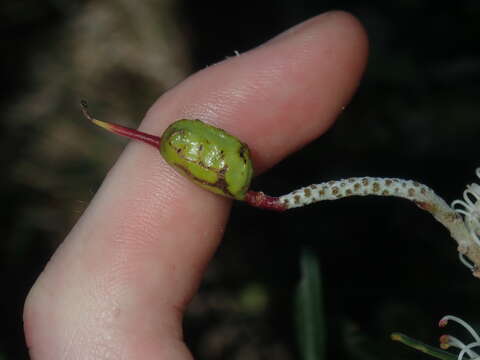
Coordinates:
386 265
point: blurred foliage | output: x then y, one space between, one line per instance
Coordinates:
308 311
386 265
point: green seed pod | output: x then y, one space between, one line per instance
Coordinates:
212 158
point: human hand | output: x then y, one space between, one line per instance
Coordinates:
118 285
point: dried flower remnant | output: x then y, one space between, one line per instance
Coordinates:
469 208
448 341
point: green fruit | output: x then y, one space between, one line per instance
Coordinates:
212 158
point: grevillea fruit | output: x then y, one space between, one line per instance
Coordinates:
210 157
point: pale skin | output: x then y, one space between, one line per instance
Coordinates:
118 285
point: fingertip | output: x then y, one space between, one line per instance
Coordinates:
282 94
342 22
351 30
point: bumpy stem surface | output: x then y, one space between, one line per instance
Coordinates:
420 194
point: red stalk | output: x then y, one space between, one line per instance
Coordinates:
122 130
262 201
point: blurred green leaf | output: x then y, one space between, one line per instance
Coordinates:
420 346
309 319
254 298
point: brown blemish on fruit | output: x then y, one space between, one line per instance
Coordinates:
307 192
220 184
243 152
